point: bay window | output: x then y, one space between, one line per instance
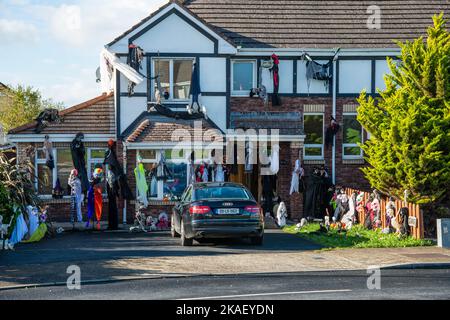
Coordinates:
243 74
352 131
314 131
175 77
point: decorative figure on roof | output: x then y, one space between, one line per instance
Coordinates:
78 158
45 117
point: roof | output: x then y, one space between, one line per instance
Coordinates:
95 116
154 127
316 24
288 123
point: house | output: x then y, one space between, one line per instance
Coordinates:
231 43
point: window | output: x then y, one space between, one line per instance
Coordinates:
244 77
314 136
178 166
46 178
352 131
175 77
64 165
221 193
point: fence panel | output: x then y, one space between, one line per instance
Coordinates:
414 211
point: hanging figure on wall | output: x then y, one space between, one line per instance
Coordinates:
76 197
332 130
79 162
276 80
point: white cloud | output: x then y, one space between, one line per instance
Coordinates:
17 31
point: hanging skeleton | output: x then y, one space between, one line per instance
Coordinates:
134 60
318 71
195 92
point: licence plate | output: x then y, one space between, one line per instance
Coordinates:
228 211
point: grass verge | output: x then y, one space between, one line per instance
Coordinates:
357 237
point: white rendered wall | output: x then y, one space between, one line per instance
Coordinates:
286 68
355 76
316 85
174 35
217 110
130 109
213 74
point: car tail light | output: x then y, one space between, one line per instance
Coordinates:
199 209
253 210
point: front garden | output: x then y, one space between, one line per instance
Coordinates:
356 237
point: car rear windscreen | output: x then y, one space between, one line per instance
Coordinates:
222 193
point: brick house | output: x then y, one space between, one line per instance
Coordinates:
231 42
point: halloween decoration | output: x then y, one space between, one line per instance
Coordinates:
332 130
79 162
58 191
163 172
76 197
112 188
20 229
402 219
297 175
134 60
108 63
195 92
282 214
318 71
342 205
116 169
315 195
276 80
261 91
45 118
48 150
269 185
275 159
166 111
142 187
98 197
90 204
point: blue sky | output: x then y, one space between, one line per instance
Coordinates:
54 45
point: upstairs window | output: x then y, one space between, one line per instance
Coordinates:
352 131
243 77
175 77
314 129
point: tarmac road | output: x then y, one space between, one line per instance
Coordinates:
432 284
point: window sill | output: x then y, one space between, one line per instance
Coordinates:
353 161
313 161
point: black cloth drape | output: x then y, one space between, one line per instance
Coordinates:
113 212
79 162
269 185
195 89
118 174
315 196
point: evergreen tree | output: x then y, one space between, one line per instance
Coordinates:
410 122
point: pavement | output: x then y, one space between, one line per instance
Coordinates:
337 285
118 256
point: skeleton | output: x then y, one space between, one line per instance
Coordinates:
45 117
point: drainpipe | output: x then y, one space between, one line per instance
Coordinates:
125 172
333 157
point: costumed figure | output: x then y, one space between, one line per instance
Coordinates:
112 189
116 168
90 204
276 80
76 197
315 195
98 195
195 92
134 60
48 150
79 162
141 183
331 132
297 181
390 216
376 209
349 218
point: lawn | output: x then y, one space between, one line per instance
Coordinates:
357 237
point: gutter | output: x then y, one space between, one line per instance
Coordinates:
333 157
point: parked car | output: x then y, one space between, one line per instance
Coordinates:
217 210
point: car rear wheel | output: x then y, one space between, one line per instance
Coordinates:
185 242
173 232
257 241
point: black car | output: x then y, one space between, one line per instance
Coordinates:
217 210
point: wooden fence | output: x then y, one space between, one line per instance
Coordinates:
414 211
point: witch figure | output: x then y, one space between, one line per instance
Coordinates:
117 171
78 158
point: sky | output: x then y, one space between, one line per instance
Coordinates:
54 46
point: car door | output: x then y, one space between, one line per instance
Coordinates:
179 209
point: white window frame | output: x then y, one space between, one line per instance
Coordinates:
37 161
242 93
160 187
171 83
322 156
351 145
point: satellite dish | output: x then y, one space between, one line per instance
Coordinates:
98 76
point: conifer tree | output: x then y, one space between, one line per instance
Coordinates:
410 122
